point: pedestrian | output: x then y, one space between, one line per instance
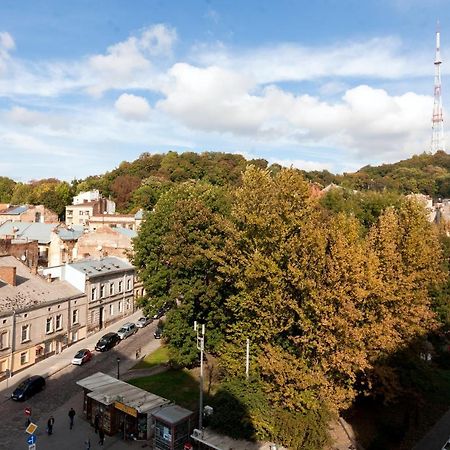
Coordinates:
101 435
87 443
71 417
50 423
96 423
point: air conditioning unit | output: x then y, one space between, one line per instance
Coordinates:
196 433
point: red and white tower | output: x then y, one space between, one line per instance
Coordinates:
437 137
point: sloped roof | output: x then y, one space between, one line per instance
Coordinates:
93 267
126 232
33 231
31 289
71 234
107 390
14 210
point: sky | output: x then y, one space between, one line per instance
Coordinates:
329 84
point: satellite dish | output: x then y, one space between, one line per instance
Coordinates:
23 258
99 248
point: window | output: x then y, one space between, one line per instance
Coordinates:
75 316
23 358
59 322
111 289
49 325
25 334
120 306
120 286
80 213
92 316
69 213
74 336
3 340
128 303
102 290
129 284
111 310
94 293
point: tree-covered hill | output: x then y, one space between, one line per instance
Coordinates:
139 183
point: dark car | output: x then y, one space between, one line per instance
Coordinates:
107 342
158 333
28 388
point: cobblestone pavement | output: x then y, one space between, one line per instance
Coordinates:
62 393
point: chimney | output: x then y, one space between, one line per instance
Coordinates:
8 275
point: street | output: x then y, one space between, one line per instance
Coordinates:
61 389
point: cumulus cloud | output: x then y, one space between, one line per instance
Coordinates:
6 45
132 107
128 62
30 118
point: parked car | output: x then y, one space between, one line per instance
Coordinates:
84 355
446 446
158 333
28 388
127 330
159 313
107 342
143 322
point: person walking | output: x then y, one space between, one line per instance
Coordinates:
96 423
101 435
87 444
50 423
71 417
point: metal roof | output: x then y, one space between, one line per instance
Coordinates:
33 231
14 210
126 232
107 390
94 267
69 234
172 414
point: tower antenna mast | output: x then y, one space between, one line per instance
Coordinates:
437 137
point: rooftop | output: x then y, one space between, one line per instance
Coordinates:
33 231
93 267
172 414
14 210
108 390
31 289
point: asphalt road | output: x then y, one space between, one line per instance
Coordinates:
62 387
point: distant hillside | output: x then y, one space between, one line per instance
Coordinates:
138 184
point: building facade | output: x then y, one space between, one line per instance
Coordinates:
108 284
38 318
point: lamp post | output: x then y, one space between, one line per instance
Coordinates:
118 368
201 347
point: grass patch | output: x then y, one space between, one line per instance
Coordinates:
156 358
176 385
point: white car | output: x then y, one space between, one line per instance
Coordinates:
446 446
143 322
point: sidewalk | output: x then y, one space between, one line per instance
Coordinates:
63 438
54 364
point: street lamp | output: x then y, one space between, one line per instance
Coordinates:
118 368
201 347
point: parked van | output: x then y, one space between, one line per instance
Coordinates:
126 330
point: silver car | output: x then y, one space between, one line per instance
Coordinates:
143 322
127 329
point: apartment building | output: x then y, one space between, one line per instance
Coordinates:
27 213
108 284
87 204
37 318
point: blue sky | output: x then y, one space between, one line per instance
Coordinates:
331 84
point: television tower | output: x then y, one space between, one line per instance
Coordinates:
437 137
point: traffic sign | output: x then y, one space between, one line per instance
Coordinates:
31 439
28 411
31 428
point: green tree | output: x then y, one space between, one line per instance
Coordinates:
7 186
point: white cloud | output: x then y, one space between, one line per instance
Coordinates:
6 45
302 164
132 107
30 118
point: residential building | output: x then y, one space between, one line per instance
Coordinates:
30 231
129 221
38 318
63 244
27 213
88 204
106 241
108 284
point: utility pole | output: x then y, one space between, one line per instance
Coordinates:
201 347
437 136
247 359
